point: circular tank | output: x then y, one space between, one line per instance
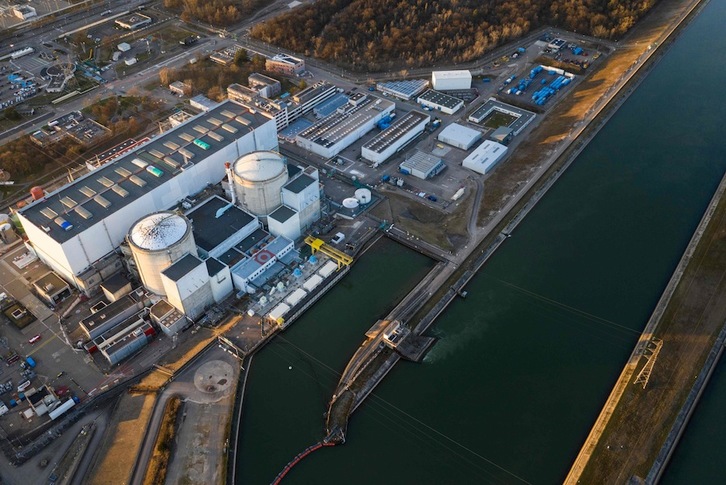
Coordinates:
157 241
37 193
350 203
363 196
258 181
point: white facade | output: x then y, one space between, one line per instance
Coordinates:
285 222
221 283
96 237
485 157
450 80
191 293
336 132
389 141
302 195
459 136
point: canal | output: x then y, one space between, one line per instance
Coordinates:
526 361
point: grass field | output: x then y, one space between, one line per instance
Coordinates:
496 118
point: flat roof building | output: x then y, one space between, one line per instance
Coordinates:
285 64
335 132
264 85
405 90
459 136
83 222
218 225
440 102
52 288
520 117
485 157
450 80
391 140
133 21
422 165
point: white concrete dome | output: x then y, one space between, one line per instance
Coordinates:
159 231
157 241
260 166
258 181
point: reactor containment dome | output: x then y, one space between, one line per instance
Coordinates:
258 180
157 241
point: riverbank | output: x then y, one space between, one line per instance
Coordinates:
625 71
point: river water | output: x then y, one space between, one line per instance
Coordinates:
526 361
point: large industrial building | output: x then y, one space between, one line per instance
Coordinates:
392 139
459 136
441 102
77 229
334 133
405 90
485 157
450 80
283 111
422 165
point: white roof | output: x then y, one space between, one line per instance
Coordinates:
327 269
312 282
451 74
159 230
485 156
277 312
460 133
295 297
259 166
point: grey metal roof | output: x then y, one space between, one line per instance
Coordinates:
440 98
178 270
298 184
115 283
282 214
421 161
396 131
210 231
93 197
213 266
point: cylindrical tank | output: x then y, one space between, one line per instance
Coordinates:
363 196
157 241
350 203
37 193
258 180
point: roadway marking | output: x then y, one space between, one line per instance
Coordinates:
37 348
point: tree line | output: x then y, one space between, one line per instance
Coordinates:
217 12
382 34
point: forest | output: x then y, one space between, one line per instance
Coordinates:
376 35
220 13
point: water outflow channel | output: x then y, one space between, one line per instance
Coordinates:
526 361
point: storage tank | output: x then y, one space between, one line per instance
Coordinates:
350 203
37 193
157 241
363 196
258 180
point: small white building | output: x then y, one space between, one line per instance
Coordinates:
24 12
451 80
438 101
422 165
459 136
187 287
485 157
124 47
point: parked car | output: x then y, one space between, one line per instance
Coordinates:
34 339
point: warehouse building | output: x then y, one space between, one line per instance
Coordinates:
133 21
422 165
450 80
334 133
76 229
405 90
125 345
285 64
391 140
485 157
113 314
459 136
441 102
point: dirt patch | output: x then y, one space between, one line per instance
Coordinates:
156 471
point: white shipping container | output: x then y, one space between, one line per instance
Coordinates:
327 269
312 282
278 312
295 297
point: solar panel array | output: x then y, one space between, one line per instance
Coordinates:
396 131
403 89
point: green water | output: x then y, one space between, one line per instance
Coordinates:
526 361
697 458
